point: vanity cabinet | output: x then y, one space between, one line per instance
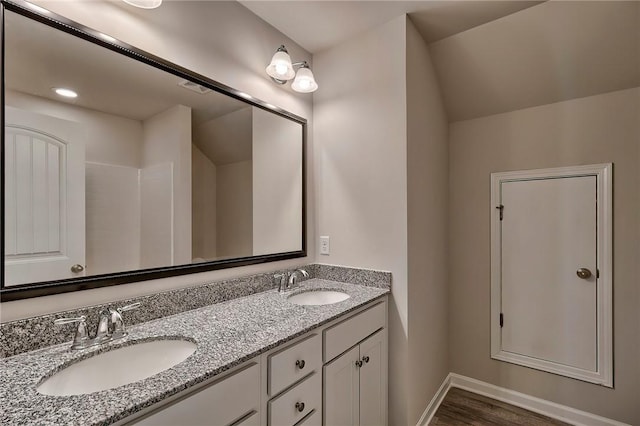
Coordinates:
355 383
334 375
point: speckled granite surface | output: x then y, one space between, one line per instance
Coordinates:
38 332
227 334
368 277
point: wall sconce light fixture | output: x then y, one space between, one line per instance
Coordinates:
282 70
144 4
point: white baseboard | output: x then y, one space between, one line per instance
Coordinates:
528 402
435 402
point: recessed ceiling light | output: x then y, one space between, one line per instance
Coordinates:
67 93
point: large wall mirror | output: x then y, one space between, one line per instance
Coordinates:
150 171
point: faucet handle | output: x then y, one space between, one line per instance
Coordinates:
117 323
81 337
282 280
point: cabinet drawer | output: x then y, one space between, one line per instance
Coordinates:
228 401
293 363
344 335
283 410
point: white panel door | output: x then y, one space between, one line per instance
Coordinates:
549 230
342 390
373 386
44 198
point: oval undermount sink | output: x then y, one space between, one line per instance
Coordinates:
320 297
118 367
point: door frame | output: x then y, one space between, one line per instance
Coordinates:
604 258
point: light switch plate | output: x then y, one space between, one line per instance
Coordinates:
324 245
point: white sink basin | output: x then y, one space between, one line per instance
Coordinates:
320 297
118 367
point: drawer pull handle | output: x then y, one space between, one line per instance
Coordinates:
365 359
300 363
358 363
300 406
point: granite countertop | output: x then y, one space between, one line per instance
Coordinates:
226 333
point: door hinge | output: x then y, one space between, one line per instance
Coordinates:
501 319
501 208
597 273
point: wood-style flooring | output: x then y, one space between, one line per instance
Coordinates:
461 407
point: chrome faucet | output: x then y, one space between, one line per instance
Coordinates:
287 279
110 327
294 274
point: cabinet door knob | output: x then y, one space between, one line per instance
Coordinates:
300 406
583 273
358 363
365 359
300 363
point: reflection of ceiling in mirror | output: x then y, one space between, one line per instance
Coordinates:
39 58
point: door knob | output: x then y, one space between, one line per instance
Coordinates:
300 364
583 273
77 268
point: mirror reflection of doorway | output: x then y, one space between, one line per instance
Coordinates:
44 198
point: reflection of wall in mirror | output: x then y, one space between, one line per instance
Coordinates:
167 139
277 184
204 206
222 185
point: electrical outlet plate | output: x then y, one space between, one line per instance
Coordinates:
324 245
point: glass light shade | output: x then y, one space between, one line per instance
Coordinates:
304 82
280 67
144 4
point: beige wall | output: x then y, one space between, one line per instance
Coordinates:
203 202
114 140
238 46
167 140
427 208
360 154
234 211
599 129
227 138
277 184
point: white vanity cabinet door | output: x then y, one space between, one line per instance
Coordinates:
294 363
230 401
373 381
342 390
296 403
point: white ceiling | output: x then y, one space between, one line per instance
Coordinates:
490 56
318 25
39 58
556 51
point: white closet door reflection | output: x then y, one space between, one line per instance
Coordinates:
44 198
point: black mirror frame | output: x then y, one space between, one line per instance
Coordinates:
44 288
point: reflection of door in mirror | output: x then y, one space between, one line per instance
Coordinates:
44 198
